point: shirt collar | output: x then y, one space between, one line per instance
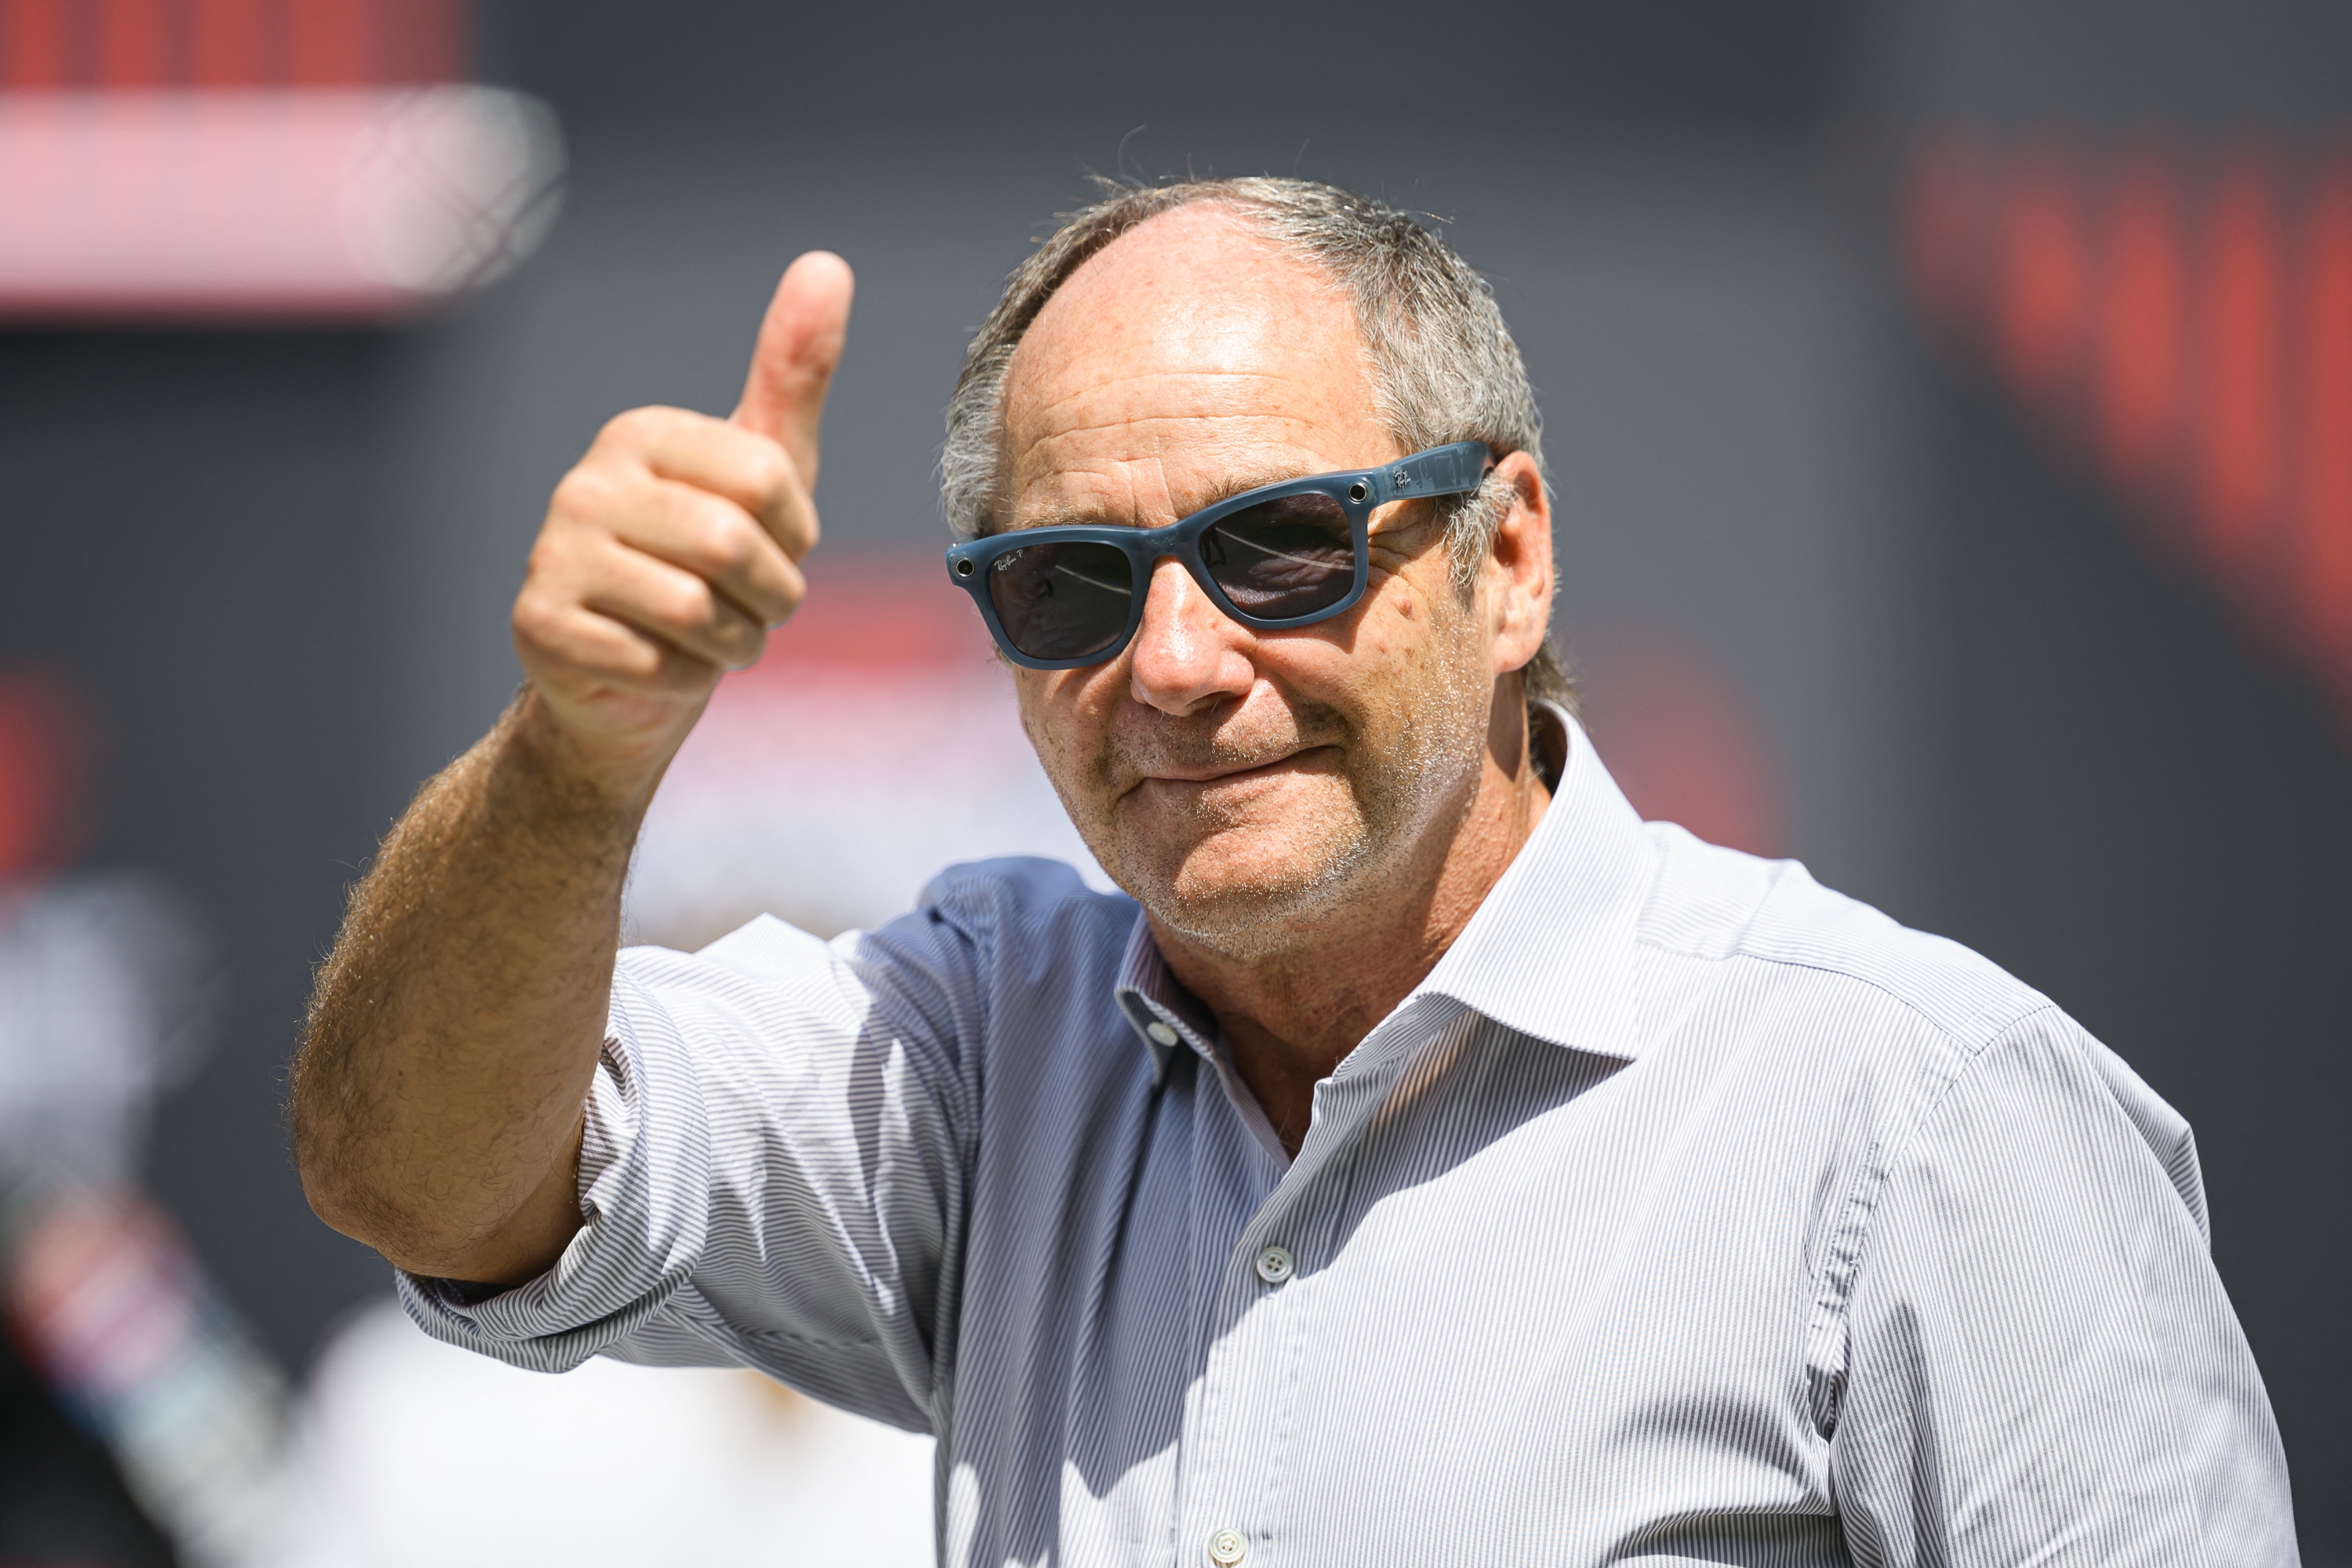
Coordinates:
1164 1015
1550 951
1549 954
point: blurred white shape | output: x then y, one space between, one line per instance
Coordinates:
450 187
302 202
832 800
106 990
877 743
417 1452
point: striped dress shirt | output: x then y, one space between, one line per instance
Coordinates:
1687 1212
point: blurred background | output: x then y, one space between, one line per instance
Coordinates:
1949 402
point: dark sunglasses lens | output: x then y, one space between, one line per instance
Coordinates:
1062 601
1284 558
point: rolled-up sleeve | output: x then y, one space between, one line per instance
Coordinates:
2042 1364
773 1168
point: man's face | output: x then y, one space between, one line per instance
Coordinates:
1235 782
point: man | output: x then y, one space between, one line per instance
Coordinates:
1431 1163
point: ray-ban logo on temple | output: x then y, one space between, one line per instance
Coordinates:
1278 556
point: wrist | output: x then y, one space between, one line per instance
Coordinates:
597 775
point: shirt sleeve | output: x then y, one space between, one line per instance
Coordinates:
2042 1366
773 1169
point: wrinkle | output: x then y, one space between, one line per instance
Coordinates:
1095 387
1152 439
1171 509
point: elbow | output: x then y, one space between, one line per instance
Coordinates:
487 1237
342 1202
328 1156
405 1239
351 1198
435 1203
332 1200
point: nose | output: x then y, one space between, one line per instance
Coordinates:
1187 653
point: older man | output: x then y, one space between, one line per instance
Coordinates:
1425 1162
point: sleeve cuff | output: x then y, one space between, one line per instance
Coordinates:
645 1191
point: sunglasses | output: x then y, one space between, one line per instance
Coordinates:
1279 556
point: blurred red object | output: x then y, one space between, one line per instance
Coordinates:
2187 321
2043 294
101 1289
78 44
257 159
1681 740
875 612
49 747
2139 359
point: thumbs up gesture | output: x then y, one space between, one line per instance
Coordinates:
674 546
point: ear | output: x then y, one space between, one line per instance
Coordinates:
1516 581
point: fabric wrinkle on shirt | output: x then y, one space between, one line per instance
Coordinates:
1685 1212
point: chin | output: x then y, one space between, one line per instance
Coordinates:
1243 897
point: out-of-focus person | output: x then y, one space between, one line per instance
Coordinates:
105 996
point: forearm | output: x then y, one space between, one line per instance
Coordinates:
455 1029
438 1098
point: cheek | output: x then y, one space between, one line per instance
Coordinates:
1066 715
1399 634
1418 655
1043 718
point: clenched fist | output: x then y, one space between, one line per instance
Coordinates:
674 546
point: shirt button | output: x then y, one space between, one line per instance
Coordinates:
1161 1034
1226 1547
1274 1265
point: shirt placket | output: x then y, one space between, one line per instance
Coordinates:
1243 1410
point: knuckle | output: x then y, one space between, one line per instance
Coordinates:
534 619
633 427
690 603
551 575
770 474
584 492
548 551
725 544
642 661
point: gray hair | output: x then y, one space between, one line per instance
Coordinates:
1444 367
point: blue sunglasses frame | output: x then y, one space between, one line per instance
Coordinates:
1446 470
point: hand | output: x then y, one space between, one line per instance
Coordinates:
674 546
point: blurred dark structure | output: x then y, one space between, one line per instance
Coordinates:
60 1501
283 555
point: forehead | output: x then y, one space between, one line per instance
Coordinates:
1186 355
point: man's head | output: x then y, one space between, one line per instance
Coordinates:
1171 347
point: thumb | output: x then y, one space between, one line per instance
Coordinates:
791 366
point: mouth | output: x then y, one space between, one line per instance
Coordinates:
1200 777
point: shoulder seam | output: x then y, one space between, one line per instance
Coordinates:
2030 1001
